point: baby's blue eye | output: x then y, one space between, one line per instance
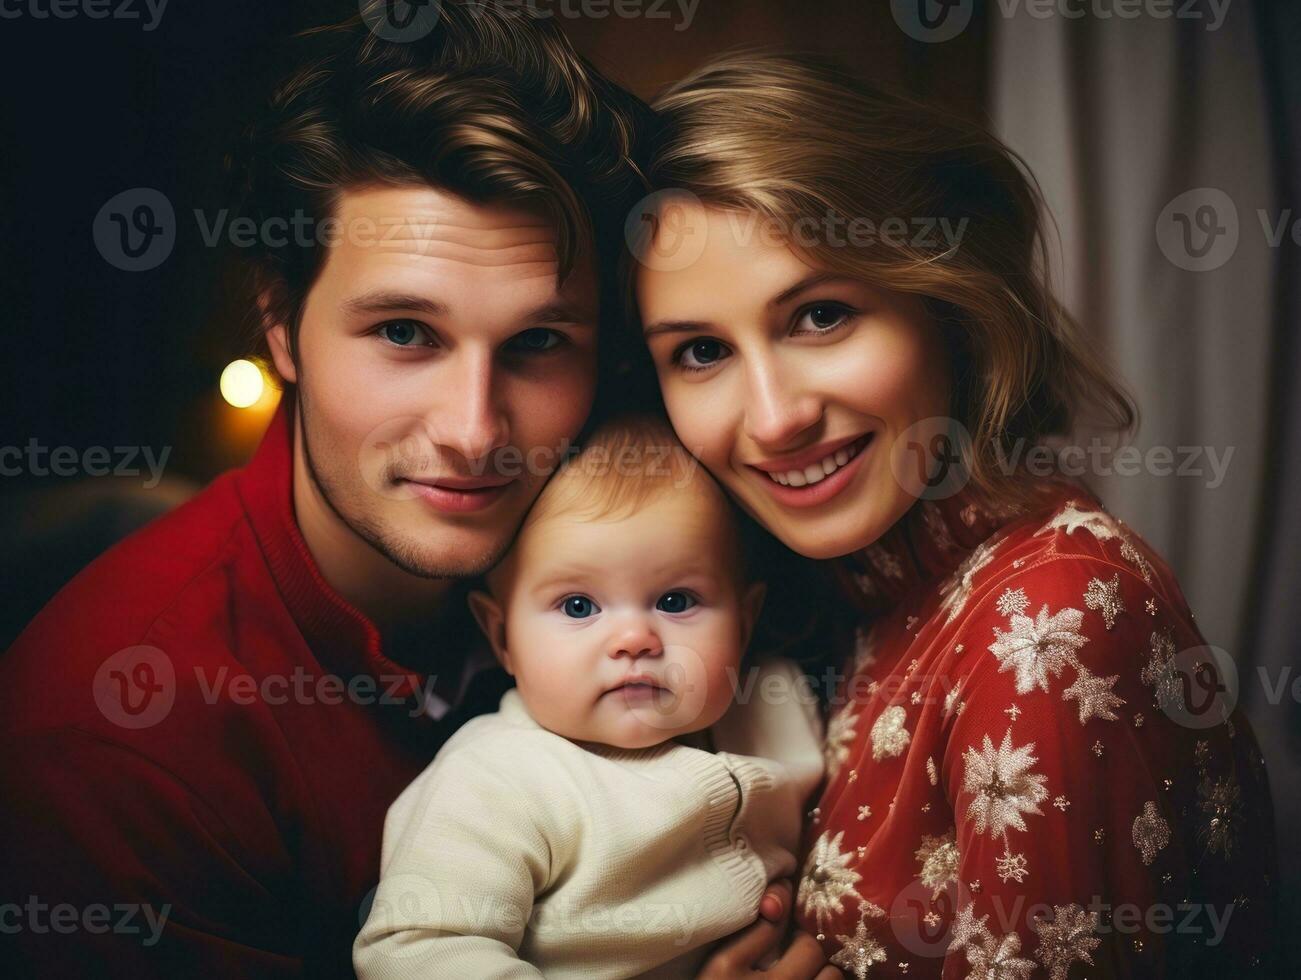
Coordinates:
579 607
675 602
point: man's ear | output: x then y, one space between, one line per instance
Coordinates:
278 341
751 603
492 620
277 338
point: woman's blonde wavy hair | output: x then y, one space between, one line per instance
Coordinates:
795 140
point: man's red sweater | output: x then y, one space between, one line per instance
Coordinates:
201 739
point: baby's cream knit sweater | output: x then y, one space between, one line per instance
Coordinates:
518 853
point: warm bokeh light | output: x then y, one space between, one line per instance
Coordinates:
242 383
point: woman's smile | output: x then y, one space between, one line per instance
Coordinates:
816 475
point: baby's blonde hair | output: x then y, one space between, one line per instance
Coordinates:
625 464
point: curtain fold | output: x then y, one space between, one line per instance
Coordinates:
1168 155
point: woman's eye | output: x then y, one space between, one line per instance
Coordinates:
536 340
579 607
403 333
675 602
700 354
825 317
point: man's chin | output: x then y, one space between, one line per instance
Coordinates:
446 556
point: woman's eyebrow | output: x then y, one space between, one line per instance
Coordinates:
676 326
817 279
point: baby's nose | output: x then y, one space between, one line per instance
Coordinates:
636 640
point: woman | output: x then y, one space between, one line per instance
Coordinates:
841 293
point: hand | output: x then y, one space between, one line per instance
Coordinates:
738 956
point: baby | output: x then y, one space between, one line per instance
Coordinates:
637 790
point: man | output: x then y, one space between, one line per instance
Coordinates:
205 728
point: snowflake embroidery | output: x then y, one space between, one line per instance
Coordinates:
1067 938
957 590
1151 832
827 879
1162 675
859 951
864 648
1131 554
1105 597
866 584
1099 523
998 960
1035 648
1012 867
939 860
1002 784
968 929
1012 601
840 736
1095 696
937 528
1220 801
952 698
889 736
884 562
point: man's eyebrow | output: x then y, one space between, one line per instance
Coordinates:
388 302
562 313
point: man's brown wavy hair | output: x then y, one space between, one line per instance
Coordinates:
491 104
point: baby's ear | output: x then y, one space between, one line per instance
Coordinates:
492 620
751 603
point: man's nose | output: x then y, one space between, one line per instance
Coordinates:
474 422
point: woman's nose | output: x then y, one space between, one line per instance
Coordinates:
778 408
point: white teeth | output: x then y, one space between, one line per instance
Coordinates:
818 471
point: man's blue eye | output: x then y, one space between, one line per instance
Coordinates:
675 602
537 339
400 332
579 607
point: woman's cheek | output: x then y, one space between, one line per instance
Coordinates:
701 424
